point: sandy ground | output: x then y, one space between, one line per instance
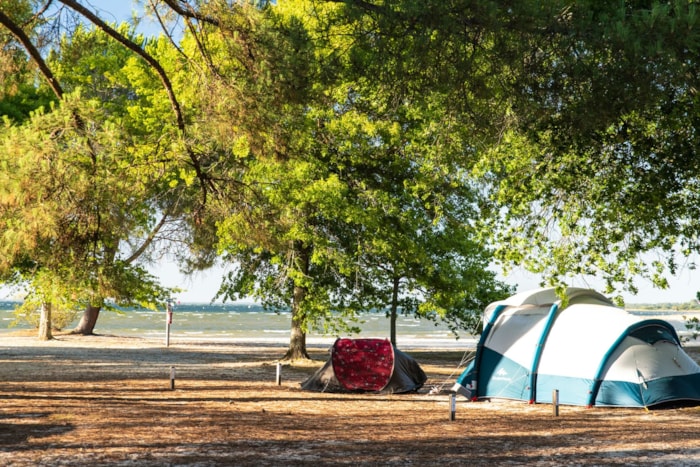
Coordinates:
106 400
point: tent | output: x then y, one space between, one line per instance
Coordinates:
590 351
367 365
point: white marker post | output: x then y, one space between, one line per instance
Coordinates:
172 378
453 407
168 322
555 402
279 374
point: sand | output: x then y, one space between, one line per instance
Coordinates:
106 400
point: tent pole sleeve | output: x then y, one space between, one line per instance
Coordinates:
538 351
598 378
480 349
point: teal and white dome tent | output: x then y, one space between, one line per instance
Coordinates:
592 352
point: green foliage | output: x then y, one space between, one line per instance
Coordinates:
83 180
353 155
20 93
692 324
600 167
29 313
55 288
368 190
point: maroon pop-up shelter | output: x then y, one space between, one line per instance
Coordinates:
367 365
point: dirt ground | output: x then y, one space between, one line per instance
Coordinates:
108 401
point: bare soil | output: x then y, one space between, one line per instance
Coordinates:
106 400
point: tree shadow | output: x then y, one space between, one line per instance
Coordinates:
17 434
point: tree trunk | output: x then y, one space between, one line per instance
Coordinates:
297 336
87 323
45 322
394 310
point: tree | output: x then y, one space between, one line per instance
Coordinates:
432 268
408 233
397 133
600 173
65 204
285 183
587 135
129 215
103 70
19 95
286 250
355 203
272 198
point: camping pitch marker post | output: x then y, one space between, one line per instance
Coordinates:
278 378
168 322
453 407
555 402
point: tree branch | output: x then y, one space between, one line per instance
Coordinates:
129 44
151 237
190 12
162 74
26 42
39 12
168 33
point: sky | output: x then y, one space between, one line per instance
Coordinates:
202 287
120 10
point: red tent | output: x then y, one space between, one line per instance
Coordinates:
369 365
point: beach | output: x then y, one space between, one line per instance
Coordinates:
110 400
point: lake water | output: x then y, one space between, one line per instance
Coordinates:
243 322
250 323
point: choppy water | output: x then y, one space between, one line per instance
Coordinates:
244 322
247 323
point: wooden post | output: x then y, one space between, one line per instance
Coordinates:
453 407
555 402
168 322
172 378
279 374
